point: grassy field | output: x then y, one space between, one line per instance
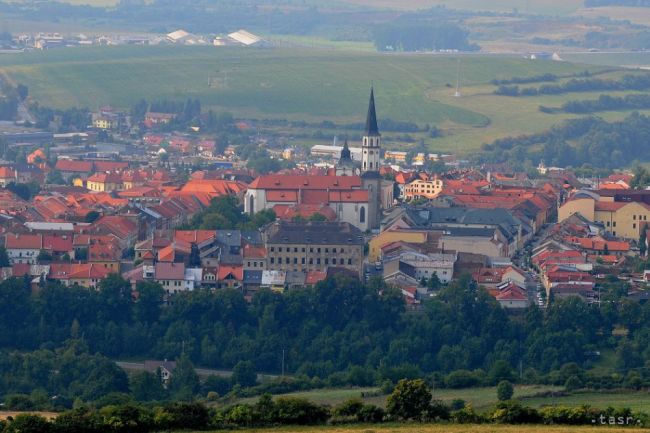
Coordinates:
442 428
299 83
483 399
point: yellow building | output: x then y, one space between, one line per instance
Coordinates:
622 219
105 123
419 188
105 182
397 156
387 237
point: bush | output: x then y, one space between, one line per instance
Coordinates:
568 415
410 400
512 412
505 390
28 423
461 379
467 415
573 383
186 416
299 411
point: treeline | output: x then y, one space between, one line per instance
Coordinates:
603 103
422 37
634 3
411 401
331 331
576 142
627 82
548 77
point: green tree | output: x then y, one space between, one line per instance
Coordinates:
505 390
146 386
149 303
4 258
92 216
244 374
410 400
184 384
44 256
573 383
28 423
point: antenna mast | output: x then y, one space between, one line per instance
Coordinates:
457 94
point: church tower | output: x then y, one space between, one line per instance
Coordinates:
370 155
371 146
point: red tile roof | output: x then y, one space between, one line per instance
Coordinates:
295 182
24 241
314 277
194 236
74 166
170 271
237 272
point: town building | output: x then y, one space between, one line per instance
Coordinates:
313 246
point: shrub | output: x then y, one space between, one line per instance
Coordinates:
410 400
467 415
299 411
504 390
28 423
512 412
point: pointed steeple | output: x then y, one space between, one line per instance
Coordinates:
345 152
372 130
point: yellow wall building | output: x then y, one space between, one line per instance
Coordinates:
622 219
387 237
423 189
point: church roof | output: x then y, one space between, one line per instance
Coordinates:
346 157
371 121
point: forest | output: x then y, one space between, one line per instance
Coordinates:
340 332
627 82
577 142
422 37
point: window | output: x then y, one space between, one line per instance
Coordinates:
272 249
327 250
327 261
279 260
333 261
634 217
272 260
607 223
249 264
288 260
362 215
349 261
334 250
295 260
318 261
318 250
634 225
342 250
295 249
279 249
311 250
303 249
311 261
614 224
303 260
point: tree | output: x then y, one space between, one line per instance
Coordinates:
44 256
28 423
55 177
149 303
146 386
195 256
92 216
4 258
643 247
184 383
505 390
434 282
244 374
410 400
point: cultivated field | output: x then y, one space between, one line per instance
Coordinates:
302 84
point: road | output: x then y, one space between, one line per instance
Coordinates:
203 372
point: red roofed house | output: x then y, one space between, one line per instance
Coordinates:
22 248
512 296
230 276
70 168
7 176
254 258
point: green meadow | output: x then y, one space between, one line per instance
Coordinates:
311 84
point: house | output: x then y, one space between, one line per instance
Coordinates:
7 176
230 277
423 188
274 280
23 248
512 296
163 369
623 213
427 265
152 119
254 257
171 276
105 182
246 39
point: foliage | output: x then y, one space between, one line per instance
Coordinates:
244 374
422 37
410 400
505 390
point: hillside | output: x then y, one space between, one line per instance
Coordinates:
299 84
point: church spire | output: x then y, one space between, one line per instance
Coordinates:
372 130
